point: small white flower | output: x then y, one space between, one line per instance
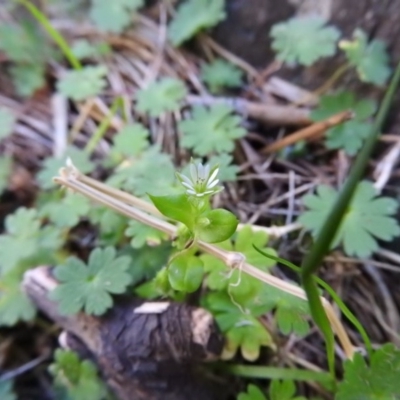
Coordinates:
202 181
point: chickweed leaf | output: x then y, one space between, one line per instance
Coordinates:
253 393
88 287
211 130
304 40
214 226
83 83
142 234
221 74
193 16
6 390
161 96
379 380
5 172
15 305
76 379
131 140
185 273
368 218
371 60
227 171
66 212
151 172
7 121
51 166
242 330
349 135
113 16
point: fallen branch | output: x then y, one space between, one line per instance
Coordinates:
145 350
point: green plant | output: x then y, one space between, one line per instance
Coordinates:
221 74
89 287
75 379
7 121
370 59
304 40
83 83
218 127
349 135
284 390
161 96
6 391
367 217
115 16
193 16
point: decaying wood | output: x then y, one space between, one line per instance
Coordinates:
145 350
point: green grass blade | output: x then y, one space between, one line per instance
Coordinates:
343 308
53 33
260 372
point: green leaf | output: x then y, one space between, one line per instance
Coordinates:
5 172
66 212
131 140
151 172
193 16
83 83
88 287
15 305
215 226
161 96
7 121
242 330
371 60
75 379
142 234
283 390
176 207
379 380
114 16
51 166
185 273
211 130
227 171
221 74
20 240
368 218
253 393
6 390
304 40
82 49
27 78
349 135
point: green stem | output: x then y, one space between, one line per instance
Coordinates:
323 242
102 128
259 372
53 33
343 308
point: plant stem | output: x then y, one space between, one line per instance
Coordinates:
102 128
53 33
119 201
323 242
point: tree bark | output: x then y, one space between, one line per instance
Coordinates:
144 350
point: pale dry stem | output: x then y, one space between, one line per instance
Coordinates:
139 210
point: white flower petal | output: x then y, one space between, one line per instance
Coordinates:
187 180
212 184
213 175
189 191
187 185
193 172
200 171
206 171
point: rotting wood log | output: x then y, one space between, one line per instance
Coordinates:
144 350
